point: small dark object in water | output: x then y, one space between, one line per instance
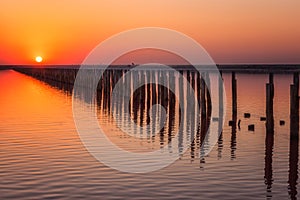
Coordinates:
263 118
202 160
230 123
247 115
251 127
239 124
215 119
281 122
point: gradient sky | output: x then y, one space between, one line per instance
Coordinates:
232 31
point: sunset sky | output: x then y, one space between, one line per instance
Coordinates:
232 31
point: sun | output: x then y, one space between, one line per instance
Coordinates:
38 59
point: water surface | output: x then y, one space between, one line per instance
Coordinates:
41 155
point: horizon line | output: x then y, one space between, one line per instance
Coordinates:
218 64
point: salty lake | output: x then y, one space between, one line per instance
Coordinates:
42 156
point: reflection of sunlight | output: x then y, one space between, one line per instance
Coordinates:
36 116
36 96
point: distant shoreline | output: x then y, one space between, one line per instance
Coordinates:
239 68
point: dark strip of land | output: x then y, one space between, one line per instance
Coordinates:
242 68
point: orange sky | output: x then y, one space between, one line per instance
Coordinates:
232 31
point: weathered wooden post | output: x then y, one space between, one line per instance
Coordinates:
188 78
269 104
221 102
154 100
203 96
153 87
203 108
135 105
181 95
148 97
192 111
171 107
208 99
105 90
198 104
198 84
294 107
221 110
162 95
269 141
234 98
234 115
294 136
126 94
142 99
160 91
182 112
193 80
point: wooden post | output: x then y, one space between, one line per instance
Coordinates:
234 115
148 98
269 106
182 112
203 96
208 99
294 137
191 112
234 98
198 83
142 100
154 97
294 108
181 96
269 141
135 104
221 104
296 79
153 88
203 121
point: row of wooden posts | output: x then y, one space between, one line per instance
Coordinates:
269 141
111 77
160 95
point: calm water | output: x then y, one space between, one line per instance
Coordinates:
41 154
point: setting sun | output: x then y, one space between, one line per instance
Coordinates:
38 59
